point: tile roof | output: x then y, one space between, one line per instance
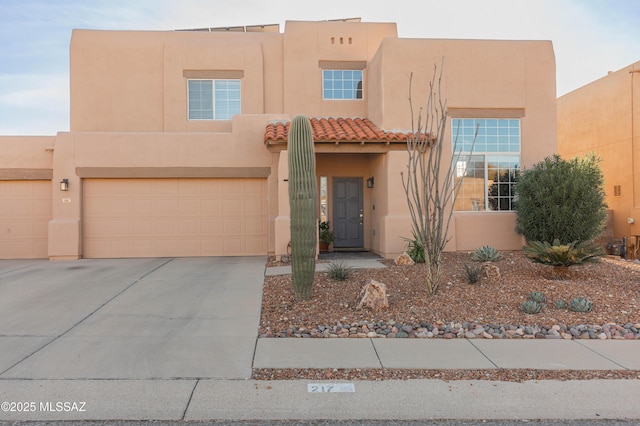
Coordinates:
336 130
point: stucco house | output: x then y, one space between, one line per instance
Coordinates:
178 140
603 118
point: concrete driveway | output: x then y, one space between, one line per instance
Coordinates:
129 318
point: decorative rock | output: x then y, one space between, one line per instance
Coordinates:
404 260
490 271
401 334
373 295
469 335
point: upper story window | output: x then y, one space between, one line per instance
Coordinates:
341 84
213 99
488 173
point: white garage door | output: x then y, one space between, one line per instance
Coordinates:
174 217
25 212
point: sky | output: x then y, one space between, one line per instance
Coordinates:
590 37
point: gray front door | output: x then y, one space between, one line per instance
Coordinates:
347 212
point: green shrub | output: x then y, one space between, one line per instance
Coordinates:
561 200
339 270
531 307
486 254
325 234
473 273
580 304
537 296
415 249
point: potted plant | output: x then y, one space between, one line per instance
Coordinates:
326 236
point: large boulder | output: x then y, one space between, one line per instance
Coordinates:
373 295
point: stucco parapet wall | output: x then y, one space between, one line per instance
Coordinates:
128 150
172 172
26 153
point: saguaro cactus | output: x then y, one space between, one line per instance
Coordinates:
303 202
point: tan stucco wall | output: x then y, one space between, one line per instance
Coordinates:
603 118
81 155
129 116
308 43
25 152
132 81
481 78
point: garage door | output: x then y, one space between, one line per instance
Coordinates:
25 211
174 217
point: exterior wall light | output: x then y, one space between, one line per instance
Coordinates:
64 184
370 182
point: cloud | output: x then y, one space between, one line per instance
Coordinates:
34 104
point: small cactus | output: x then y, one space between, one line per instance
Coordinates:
560 304
531 307
538 297
486 254
473 273
580 304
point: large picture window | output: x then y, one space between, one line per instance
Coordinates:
213 99
342 84
487 171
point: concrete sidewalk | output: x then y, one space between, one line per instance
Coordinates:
176 339
354 263
448 354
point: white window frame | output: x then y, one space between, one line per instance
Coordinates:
215 116
356 98
503 152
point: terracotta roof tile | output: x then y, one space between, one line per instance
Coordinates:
336 130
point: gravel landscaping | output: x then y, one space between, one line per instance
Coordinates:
489 309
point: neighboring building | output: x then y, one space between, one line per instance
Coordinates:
178 140
603 118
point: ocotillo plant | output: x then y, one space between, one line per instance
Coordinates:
303 200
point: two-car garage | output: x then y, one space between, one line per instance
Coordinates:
174 217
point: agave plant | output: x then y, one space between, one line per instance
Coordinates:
486 254
562 256
538 297
580 304
560 304
531 307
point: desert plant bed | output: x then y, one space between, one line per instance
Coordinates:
490 308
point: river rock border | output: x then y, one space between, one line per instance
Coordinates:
465 330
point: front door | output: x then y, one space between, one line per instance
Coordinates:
347 212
